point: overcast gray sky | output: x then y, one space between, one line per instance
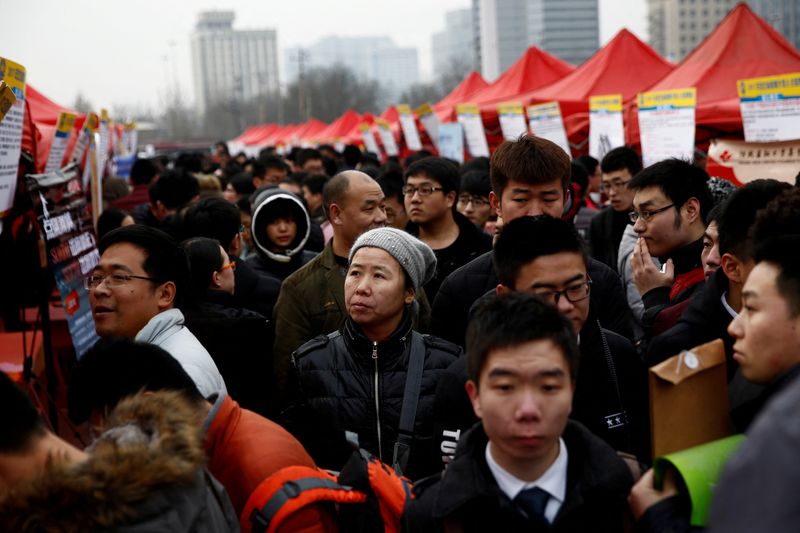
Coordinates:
128 53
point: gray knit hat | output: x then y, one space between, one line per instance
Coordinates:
416 257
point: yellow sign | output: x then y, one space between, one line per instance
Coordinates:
786 85
7 99
424 109
404 109
510 108
548 109
673 98
381 123
65 123
14 76
104 116
609 103
467 109
364 126
92 122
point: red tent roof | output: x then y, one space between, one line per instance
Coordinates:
390 114
341 126
41 118
354 135
536 68
742 46
311 130
470 85
624 65
43 110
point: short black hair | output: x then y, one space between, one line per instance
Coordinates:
315 182
174 189
143 171
529 159
781 251
580 177
164 260
438 169
588 163
242 183
212 217
512 319
352 155
305 155
476 163
110 218
525 239
778 220
476 182
679 181
19 419
116 368
416 156
257 169
621 158
204 259
738 213
273 161
391 182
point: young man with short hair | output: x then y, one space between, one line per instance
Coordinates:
312 194
135 291
473 198
431 189
391 183
275 171
525 466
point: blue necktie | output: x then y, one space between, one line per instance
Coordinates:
533 502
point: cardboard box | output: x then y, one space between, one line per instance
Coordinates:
689 399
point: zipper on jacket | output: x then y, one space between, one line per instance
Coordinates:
377 399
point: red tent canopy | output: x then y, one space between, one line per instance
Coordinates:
624 65
341 126
252 134
536 68
354 135
742 46
311 130
281 136
41 119
445 108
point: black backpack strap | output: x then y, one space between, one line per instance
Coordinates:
408 413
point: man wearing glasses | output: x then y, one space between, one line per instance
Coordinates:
619 166
670 205
135 291
430 193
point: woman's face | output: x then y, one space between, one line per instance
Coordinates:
225 278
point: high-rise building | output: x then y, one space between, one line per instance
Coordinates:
369 58
231 65
456 43
676 27
783 15
569 29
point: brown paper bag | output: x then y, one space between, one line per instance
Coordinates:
689 399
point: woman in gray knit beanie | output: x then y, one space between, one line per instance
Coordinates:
415 257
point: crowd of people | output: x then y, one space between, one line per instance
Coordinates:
483 329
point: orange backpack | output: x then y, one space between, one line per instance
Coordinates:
367 495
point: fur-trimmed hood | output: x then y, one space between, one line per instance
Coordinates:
149 459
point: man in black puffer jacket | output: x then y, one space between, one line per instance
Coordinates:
354 380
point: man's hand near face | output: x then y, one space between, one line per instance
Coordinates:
645 274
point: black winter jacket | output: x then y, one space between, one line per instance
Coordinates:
345 382
459 291
467 498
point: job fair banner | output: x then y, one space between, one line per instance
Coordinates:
605 124
666 124
512 120
469 116
387 137
431 122
770 107
451 141
742 162
545 121
369 139
13 74
66 223
409 127
60 140
90 126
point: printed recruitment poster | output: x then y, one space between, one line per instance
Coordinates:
742 162
369 139
545 121
11 132
512 120
770 107
90 125
666 124
60 140
605 124
387 137
66 223
451 141
409 127
431 122
470 118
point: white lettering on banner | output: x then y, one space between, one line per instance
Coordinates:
57 226
89 261
81 243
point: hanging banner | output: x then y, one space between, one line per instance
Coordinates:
666 124
60 140
770 107
742 162
545 121
470 118
90 126
512 120
130 139
66 223
409 127
104 142
605 125
387 137
369 139
13 74
431 122
451 141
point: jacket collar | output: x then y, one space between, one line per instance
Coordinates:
164 323
389 349
687 258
